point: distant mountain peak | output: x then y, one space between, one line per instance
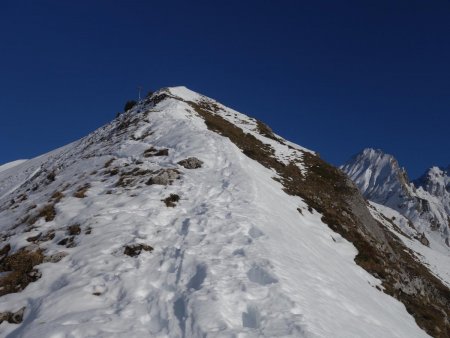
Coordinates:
425 201
436 181
378 175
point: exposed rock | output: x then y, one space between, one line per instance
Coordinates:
134 250
191 163
156 152
12 317
164 177
131 177
68 242
40 238
422 238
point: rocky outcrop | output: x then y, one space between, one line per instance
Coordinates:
164 177
134 250
191 163
12 317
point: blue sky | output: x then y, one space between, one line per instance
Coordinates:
334 76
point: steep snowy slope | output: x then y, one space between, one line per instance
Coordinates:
117 236
381 180
10 165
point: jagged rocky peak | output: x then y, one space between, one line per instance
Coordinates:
425 202
436 181
378 175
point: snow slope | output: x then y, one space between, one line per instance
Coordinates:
233 258
9 165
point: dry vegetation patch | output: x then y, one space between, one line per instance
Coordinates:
172 200
12 317
48 212
108 163
57 196
81 191
74 230
150 152
134 250
19 270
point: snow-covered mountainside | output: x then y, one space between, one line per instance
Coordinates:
426 202
184 218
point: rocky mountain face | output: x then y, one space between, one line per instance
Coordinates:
185 218
436 181
425 202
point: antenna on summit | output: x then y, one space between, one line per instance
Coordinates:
139 92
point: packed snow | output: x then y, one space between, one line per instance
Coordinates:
10 165
233 258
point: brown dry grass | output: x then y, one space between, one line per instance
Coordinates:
20 268
81 191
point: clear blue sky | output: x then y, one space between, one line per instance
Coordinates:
334 76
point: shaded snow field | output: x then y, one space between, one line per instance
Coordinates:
234 258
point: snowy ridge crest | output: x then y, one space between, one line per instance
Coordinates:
155 225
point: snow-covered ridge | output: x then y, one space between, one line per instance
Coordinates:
233 256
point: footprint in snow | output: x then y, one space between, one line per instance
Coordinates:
260 275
